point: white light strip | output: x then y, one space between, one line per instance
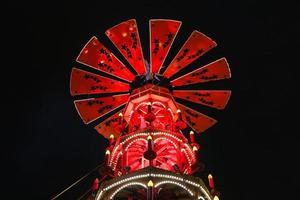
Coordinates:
113 154
116 160
175 183
167 140
132 136
167 134
126 185
159 103
204 191
133 141
187 156
154 175
100 194
125 180
190 150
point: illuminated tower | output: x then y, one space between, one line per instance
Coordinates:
151 155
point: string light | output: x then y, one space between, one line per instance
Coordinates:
126 185
175 183
173 179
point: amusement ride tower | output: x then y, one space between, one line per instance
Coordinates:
149 156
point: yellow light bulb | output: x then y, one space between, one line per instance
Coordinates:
149 137
192 132
178 111
111 136
124 34
107 152
195 148
216 198
150 183
120 114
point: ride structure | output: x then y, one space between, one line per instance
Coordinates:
139 109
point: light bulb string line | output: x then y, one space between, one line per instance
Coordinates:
76 182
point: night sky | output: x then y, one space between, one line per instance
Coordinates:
252 151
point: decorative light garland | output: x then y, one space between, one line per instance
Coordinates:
172 177
190 150
159 103
126 185
167 134
187 156
160 138
175 183
113 154
141 104
116 160
113 160
133 141
125 180
133 136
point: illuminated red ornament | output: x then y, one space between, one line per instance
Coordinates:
95 185
146 117
150 116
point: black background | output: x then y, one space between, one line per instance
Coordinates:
252 151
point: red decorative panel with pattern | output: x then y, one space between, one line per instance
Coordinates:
162 35
97 56
217 70
212 98
92 109
83 82
125 37
196 45
197 121
107 127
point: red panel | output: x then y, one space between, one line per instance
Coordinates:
91 109
212 98
197 121
162 35
107 127
83 82
196 45
125 37
217 70
95 55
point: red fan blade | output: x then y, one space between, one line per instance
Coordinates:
125 37
197 121
83 82
212 98
97 56
217 70
196 45
91 109
107 127
162 35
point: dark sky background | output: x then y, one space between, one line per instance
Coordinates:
252 151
